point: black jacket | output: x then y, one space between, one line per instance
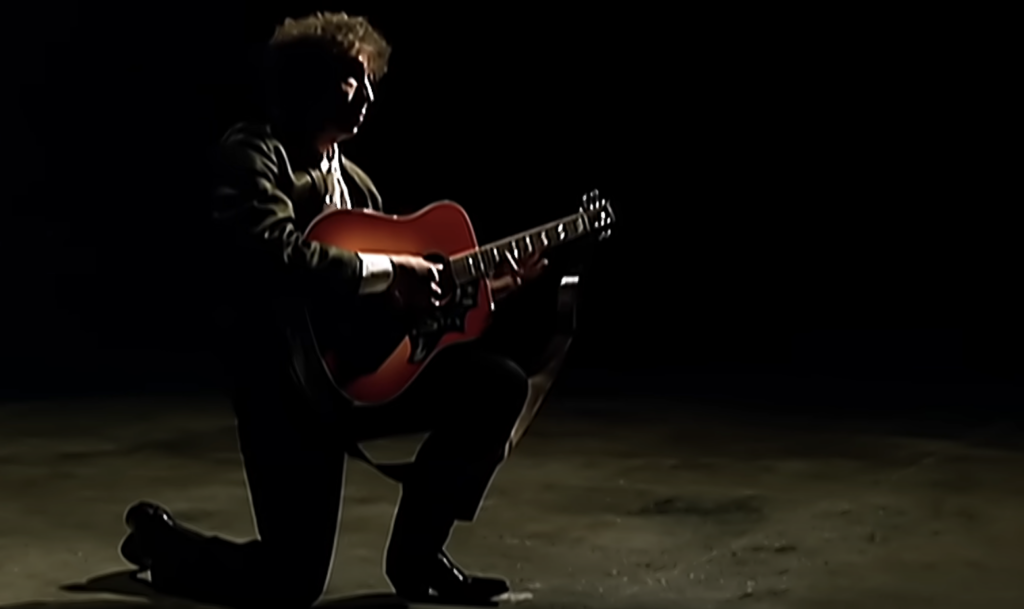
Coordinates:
264 198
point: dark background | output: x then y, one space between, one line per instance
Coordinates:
815 196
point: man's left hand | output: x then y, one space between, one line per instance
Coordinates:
511 274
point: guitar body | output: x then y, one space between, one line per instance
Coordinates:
372 356
371 350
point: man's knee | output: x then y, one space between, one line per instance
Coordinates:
481 390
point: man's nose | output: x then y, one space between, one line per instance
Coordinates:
368 90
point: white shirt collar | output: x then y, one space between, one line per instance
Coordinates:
337 195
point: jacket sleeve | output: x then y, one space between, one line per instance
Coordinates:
256 220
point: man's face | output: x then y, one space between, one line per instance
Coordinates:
355 94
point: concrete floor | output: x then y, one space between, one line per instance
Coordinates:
596 510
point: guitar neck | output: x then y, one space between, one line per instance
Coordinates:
482 262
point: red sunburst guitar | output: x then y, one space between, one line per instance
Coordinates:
372 357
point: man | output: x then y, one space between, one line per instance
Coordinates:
272 180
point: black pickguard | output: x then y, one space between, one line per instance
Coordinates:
427 332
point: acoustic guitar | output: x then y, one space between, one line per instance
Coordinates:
370 354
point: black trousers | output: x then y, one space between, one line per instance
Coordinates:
294 458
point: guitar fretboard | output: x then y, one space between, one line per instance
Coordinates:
482 262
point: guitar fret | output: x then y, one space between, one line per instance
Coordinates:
483 262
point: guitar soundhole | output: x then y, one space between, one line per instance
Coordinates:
446 278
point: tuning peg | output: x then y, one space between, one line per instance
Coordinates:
589 202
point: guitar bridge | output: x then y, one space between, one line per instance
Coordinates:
428 331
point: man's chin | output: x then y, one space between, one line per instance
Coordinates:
344 133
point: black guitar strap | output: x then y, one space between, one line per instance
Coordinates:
551 361
398 472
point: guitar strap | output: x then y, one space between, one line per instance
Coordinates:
397 472
552 360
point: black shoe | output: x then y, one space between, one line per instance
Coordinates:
144 520
157 531
182 562
159 545
145 514
132 552
438 579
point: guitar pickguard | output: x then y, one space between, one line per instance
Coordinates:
428 331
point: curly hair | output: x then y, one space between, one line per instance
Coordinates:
331 35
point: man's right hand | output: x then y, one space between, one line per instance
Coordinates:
416 283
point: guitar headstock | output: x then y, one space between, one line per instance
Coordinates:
598 212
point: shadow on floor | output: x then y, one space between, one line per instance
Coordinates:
124 583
